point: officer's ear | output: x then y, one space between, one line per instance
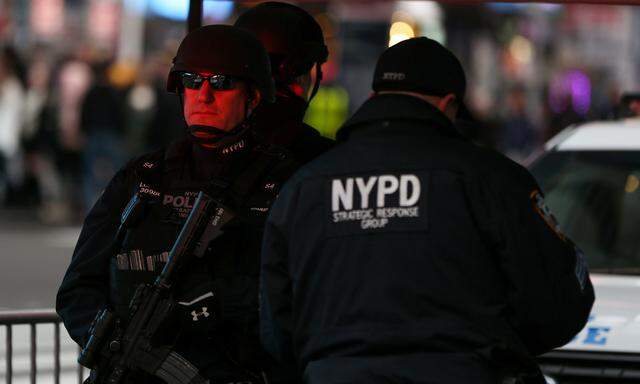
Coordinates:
303 85
448 104
253 98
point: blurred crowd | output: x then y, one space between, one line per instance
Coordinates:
518 132
68 123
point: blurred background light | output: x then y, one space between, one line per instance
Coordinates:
570 89
580 91
401 16
521 49
179 9
47 17
632 184
400 31
517 7
426 17
103 20
138 6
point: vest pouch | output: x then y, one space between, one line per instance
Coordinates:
197 311
197 305
123 283
142 256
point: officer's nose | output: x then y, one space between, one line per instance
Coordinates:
205 94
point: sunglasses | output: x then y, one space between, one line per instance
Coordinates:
217 82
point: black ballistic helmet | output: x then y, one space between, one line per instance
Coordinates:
292 37
225 50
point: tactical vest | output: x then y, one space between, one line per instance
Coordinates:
217 294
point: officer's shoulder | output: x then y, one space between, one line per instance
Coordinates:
309 144
318 167
120 187
147 160
152 164
156 159
494 166
310 133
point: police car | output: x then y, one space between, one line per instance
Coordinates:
591 177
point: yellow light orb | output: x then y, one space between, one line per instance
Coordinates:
400 31
521 49
632 184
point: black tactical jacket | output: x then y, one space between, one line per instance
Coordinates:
408 254
281 123
218 295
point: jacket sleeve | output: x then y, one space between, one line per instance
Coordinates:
85 287
276 323
550 294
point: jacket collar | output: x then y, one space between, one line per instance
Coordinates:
397 107
282 110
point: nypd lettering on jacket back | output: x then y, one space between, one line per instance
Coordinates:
362 204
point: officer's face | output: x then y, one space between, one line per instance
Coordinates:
220 108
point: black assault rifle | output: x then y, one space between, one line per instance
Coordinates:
113 351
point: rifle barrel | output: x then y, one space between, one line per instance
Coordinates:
188 238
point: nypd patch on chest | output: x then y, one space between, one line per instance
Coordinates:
377 203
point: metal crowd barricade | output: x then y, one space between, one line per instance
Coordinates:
8 319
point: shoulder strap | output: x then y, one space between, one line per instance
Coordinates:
174 156
269 157
150 170
147 174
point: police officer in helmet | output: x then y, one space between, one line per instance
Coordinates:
221 74
205 62
423 258
296 47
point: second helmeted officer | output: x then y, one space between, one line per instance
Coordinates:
296 47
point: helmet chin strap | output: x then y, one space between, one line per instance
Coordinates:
316 86
219 134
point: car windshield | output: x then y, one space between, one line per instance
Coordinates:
595 196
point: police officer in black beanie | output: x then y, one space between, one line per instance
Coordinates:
296 47
407 254
221 75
